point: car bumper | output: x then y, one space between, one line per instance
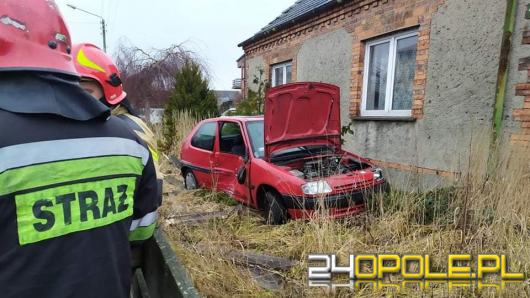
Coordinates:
335 206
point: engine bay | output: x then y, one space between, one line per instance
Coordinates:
323 166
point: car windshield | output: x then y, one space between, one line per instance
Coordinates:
255 131
257 139
300 152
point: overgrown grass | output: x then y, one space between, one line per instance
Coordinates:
432 207
217 197
484 212
184 122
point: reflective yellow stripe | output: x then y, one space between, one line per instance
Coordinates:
42 175
142 233
153 153
82 59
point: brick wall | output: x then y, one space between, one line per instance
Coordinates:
364 19
523 89
390 17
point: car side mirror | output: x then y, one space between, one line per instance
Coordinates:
242 175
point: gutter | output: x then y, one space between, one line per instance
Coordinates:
502 78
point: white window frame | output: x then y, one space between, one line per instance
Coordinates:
284 66
387 112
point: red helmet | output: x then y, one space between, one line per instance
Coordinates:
33 36
91 62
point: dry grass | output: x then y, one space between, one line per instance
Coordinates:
184 123
481 214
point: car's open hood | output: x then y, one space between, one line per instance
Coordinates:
302 114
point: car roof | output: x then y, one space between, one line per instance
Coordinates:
238 118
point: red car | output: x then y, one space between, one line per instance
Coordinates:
287 163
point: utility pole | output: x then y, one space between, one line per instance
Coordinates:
103 25
104 32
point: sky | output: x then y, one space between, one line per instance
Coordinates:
211 28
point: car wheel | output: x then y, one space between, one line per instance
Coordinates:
190 182
273 209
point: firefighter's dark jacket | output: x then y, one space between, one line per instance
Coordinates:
76 186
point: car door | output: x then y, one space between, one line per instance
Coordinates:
230 159
200 154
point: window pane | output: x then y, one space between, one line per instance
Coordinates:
231 140
278 76
405 71
377 77
205 136
289 73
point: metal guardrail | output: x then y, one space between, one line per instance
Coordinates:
161 274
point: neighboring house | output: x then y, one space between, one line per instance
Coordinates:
418 78
151 115
156 115
239 83
226 99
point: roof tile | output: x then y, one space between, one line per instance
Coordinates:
299 9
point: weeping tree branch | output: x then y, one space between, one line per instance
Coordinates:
149 75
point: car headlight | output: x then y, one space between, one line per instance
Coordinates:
316 188
378 174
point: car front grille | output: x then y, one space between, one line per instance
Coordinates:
356 186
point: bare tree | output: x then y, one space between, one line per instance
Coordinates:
149 75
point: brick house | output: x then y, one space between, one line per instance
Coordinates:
418 78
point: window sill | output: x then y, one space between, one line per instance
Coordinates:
384 118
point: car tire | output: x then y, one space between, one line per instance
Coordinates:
190 182
274 211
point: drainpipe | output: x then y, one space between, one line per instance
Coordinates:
502 78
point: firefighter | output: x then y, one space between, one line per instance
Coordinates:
76 185
101 78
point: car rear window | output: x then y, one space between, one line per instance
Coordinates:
205 136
